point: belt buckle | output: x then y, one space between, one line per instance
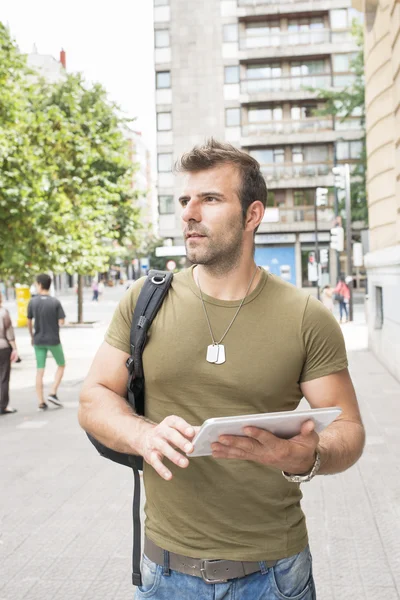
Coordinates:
203 572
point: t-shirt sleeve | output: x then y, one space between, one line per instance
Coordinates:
60 311
30 311
118 332
325 351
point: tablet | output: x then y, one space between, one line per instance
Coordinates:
284 424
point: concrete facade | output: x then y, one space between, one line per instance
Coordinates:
243 71
382 76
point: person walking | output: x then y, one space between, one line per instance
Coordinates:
95 290
229 339
342 295
100 289
8 355
45 316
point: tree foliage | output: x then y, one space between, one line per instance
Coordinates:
344 104
66 196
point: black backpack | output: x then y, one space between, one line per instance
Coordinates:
151 296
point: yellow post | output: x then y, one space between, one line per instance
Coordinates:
23 296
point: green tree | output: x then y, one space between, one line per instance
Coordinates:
343 104
66 195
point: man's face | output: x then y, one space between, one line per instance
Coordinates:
212 217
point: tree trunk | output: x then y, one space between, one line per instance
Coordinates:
80 298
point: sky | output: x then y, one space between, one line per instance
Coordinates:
110 42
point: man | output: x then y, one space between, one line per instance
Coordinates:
48 315
229 339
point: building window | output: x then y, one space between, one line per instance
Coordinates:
339 19
349 150
304 197
261 115
267 156
305 111
232 74
166 205
161 2
342 62
378 307
161 38
276 198
306 23
230 33
165 162
307 67
263 34
232 117
164 121
163 79
264 71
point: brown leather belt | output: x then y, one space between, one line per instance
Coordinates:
210 570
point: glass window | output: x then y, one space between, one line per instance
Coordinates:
269 155
232 74
164 162
161 38
276 198
339 18
163 79
305 111
166 205
307 67
161 2
264 71
230 33
297 154
164 121
260 115
356 148
304 197
232 117
341 63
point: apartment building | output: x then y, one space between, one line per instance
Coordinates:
382 87
245 71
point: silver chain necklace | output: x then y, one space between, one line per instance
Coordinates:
216 350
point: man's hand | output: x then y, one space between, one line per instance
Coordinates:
159 441
296 455
14 356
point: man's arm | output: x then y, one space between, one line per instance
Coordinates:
61 322
30 329
340 445
105 414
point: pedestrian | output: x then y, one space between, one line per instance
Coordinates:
47 315
327 297
342 296
95 289
100 289
8 354
229 339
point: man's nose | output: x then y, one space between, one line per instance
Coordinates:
192 211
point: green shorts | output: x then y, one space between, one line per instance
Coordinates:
41 355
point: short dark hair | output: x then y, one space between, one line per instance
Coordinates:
214 153
44 280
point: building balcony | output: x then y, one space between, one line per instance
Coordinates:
250 8
318 42
294 87
315 130
296 218
298 175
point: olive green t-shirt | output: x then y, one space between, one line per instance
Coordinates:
229 509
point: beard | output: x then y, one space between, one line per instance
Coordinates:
219 252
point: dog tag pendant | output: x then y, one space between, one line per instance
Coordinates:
221 354
212 353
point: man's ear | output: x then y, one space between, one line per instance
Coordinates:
255 214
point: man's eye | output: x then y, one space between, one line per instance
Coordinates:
184 203
211 199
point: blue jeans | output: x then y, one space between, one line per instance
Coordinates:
343 309
290 579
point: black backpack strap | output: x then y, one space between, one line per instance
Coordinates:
152 294
136 551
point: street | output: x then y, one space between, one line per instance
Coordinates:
66 524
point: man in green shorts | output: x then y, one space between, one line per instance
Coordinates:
47 314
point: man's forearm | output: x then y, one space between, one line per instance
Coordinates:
340 446
111 420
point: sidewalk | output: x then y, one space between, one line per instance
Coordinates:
65 515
